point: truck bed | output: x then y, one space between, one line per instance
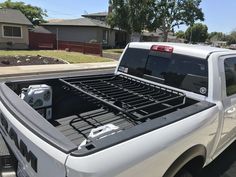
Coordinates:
136 99
84 103
77 128
124 102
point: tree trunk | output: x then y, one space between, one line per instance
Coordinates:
191 35
165 36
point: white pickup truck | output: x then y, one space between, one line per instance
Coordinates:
167 111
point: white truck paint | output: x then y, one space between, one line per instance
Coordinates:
194 140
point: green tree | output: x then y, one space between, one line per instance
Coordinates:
137 15
33 13
118 17
173 13
231 38
217 36
197 33
180 34
131 15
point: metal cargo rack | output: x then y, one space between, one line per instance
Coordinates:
136 99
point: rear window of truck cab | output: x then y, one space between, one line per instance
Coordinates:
176 70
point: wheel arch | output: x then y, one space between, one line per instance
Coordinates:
196 155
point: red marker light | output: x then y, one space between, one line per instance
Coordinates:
162 48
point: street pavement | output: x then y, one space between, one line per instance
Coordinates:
224 165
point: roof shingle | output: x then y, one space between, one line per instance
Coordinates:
78 22
13 16
98 14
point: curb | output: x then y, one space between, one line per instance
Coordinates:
38 72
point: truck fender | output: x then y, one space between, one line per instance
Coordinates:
189 155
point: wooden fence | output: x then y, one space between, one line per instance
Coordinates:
43 41
86 48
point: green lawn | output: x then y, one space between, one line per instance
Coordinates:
71 57
113 51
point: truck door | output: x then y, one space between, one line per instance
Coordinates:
228 77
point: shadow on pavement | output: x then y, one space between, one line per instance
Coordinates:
224 165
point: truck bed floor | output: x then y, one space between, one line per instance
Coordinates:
77 127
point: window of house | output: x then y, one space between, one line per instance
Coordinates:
12 31
230 75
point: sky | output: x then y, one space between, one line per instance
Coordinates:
220 15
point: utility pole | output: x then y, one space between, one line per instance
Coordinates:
57 37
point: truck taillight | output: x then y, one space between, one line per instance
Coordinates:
162 48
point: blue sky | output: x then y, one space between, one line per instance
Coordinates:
220 15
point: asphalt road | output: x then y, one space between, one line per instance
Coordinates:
223 166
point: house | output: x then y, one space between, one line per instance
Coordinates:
232 46
89 28
93 28
40 38
97 16
157 36
14 28
220 44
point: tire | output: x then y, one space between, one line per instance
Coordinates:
184 173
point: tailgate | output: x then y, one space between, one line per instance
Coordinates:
41 150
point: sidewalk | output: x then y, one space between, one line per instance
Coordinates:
53 68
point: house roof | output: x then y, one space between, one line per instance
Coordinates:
13 16
98 14
41 29
84 22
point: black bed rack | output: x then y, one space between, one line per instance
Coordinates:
136 99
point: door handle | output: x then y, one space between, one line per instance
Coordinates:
231 110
